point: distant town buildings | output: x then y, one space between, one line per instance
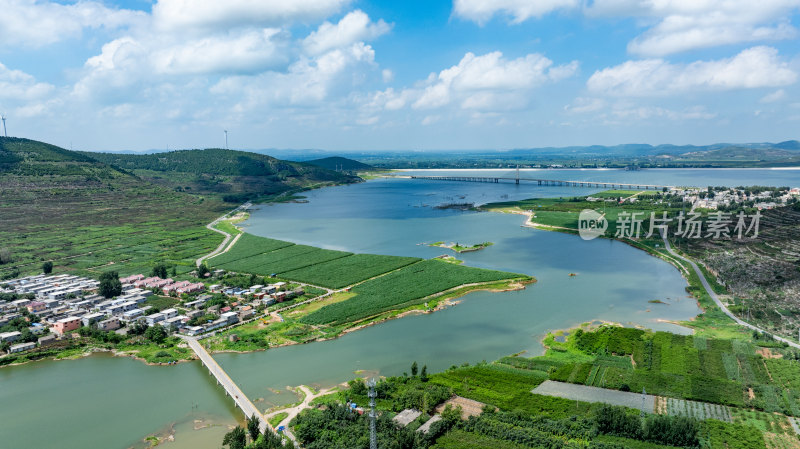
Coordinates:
65 303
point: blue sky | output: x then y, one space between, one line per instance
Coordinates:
388 75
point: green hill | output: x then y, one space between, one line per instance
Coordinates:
235 175
341 164
91 212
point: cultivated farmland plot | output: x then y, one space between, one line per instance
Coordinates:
284 259
698 410
346 271
401 288
248 245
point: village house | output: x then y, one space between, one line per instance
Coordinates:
110 324
21 347
65 325
10 336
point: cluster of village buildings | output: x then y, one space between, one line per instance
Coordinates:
702 199
65 303
762 200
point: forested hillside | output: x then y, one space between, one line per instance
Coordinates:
235 175
91 212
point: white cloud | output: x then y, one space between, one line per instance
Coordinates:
490 81
205 15
35 23
752 68
774 96
581 105
354 27
17 86
681 25
249 51
387 75
307 82
481 11
628 112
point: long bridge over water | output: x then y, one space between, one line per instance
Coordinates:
231 389
542 182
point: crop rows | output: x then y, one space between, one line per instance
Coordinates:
346 271
496 384
698 410
284 259
248 245
400 288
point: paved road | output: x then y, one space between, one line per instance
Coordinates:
223 247
227 383
719 303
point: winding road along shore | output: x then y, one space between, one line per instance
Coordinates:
224 246
719 303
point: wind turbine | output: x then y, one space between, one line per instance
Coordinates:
3 117
226 139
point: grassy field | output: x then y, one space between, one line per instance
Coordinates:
403 287
248 245
282 260
346 271
87 216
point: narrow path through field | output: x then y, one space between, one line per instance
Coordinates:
295 410
224 246
719 303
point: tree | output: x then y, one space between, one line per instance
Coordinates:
414 369
5 256
110 285
202 270
138 328
159 270
252 427
423 375
47 267
157 334
235 439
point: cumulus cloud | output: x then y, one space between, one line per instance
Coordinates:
752 68
307 81
35 23
481 11
18 86
354 27
205 15
490 81
681 25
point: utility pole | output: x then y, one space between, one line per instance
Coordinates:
373 415
644 401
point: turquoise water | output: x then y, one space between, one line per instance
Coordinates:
107 402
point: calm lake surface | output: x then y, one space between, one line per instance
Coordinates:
108 402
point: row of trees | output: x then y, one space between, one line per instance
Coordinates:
661 429
237 438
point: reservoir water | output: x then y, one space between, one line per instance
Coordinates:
108 402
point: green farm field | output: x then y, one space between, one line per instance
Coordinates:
349 270
402 288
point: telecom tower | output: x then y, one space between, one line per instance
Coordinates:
226 139
373 415
3 117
